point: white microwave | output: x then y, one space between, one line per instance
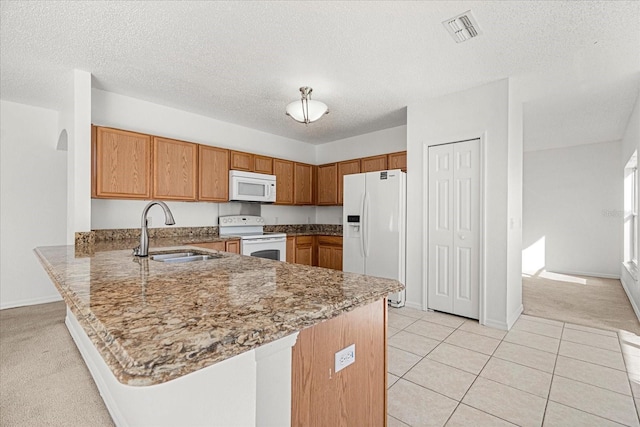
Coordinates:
251 187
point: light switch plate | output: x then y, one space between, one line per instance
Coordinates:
345 357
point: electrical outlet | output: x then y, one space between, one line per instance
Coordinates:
345 357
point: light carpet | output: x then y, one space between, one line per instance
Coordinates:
589 301
43 379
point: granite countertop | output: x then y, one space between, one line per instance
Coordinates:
153 322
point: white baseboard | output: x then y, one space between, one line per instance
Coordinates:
413 305
497 324
630 298
31 301
514 316
586 273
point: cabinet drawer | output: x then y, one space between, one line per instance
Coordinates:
330 240
304 240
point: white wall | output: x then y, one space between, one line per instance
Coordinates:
369 144
573 200
110 109
480 112
631 143
32 201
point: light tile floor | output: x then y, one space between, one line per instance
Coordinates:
448 370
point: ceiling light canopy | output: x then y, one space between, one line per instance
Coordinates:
306 110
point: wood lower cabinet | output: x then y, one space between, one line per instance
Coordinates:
373 163
175 169
291 249
397 161
213 183
354 396
346 168
327 192
305 250
303 184
232 246
283 170
121 164
330 252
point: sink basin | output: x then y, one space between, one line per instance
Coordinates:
177 257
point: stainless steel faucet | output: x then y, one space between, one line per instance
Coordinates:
143 249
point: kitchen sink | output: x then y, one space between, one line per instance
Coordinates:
177 257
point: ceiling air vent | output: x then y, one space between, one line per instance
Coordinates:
463 27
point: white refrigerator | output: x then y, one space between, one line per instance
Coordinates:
374 226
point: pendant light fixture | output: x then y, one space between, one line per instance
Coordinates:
306 110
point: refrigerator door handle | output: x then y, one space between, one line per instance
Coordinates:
362 224
365 225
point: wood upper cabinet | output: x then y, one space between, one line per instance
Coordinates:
121 164
373 163
330 252
213 184
291 249
327 187
263 164
397 161
303 184
305 250
241 161
283 170
346 168
175 169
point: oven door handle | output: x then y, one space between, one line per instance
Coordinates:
259 241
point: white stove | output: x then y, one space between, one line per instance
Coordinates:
253 240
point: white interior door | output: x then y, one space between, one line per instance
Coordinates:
454 235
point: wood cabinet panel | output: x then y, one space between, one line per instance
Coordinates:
327 188
263 164
216 246
241 161
330 252
291 249
283 170
121 164
305 250
232 246
303 184
355 396
397 161
213 174
346 168
373 163
175 170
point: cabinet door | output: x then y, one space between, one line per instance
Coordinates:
304 250
175 168
336 258
283 170
232 246
374 163
291 249
303 184
216 246
122 164
263 164
241 161
324 256
214 174
346 168
327 188
397 161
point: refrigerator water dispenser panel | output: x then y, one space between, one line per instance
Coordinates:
353 229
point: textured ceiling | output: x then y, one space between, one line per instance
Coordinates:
242 62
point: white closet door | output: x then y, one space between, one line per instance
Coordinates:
454 237
440 248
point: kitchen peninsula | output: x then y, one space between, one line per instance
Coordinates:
234 340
